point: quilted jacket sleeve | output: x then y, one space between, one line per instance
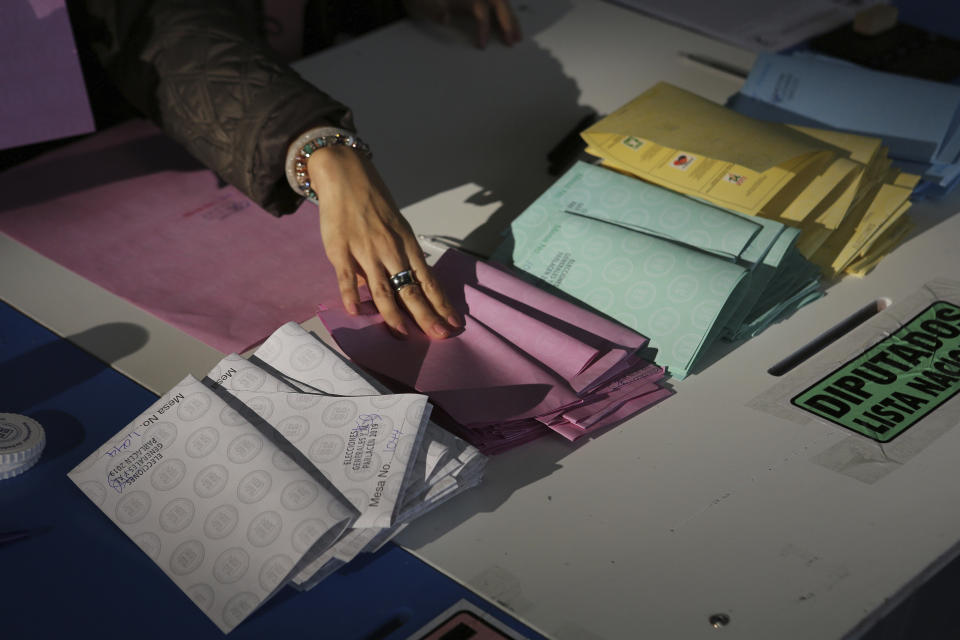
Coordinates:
201 72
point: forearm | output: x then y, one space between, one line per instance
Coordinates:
202 74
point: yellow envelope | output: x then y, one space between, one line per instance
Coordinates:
908 180
723 184
837 187
862 186
805 171
881 215
879 208
891 239
671 117
823 190
688 144
863 149
811 239
831 216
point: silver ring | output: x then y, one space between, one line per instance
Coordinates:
402 279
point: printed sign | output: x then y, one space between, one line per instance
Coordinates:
895 383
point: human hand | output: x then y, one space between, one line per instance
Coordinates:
479 12
366 236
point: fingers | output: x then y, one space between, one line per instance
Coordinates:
509 26
428 316
507 22
385 301
481 17
380 257
365 236
345 267
347 277
482 13
430 287
383 258
423 312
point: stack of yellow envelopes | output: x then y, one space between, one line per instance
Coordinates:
837 188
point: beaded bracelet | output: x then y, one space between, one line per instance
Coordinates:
299 152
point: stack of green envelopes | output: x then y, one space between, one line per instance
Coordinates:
682 272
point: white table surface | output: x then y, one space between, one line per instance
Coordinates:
698 506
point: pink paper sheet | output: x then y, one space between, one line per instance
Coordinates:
129 210
42 93
525 363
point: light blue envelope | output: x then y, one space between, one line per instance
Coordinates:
679 271
938 179
670 293
601 194
918 119
759 244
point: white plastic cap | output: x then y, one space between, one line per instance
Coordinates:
21 444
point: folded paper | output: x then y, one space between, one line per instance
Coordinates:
917 120
252 479
524 358
218 506
676 269
836 188
43 96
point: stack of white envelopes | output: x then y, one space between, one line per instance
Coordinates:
278 469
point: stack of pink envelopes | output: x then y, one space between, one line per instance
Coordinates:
526 362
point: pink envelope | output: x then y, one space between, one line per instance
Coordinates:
42 92
524 362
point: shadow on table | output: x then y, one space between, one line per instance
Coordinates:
30 378
440 114
505 473
133 149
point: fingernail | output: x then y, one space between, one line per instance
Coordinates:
351 308
401 328
454 321
440 330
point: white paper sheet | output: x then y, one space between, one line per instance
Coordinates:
757 25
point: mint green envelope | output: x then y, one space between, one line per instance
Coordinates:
758 244
601 194
677 270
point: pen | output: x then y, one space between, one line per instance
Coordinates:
11 536
711 63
